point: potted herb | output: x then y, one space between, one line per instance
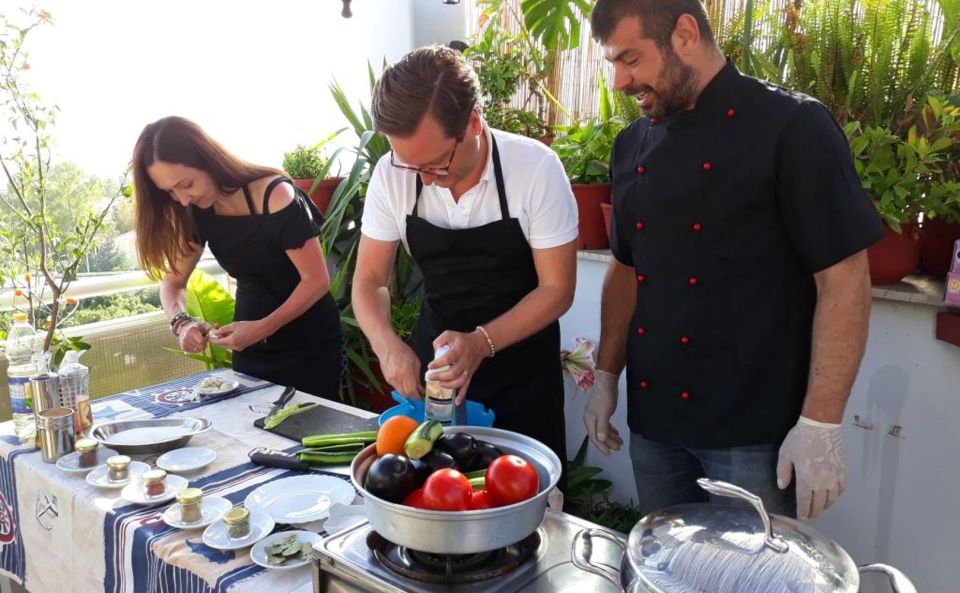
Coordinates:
309 168
904 177
503 63
584 149
941 223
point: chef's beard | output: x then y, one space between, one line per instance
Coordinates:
675 89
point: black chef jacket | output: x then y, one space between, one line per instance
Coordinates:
725 212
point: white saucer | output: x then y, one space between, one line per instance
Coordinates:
342 516
300 499
133 492
212 509
259 552
215 536
70 463
98 477
186 459
226 387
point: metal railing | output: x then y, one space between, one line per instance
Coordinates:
128 352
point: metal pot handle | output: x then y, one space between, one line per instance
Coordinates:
729 490
898 581
583 563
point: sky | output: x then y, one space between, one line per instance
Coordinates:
253 74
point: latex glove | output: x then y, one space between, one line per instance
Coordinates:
596 418
815 451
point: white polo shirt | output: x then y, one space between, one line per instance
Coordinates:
538 195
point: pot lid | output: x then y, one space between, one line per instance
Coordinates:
716 548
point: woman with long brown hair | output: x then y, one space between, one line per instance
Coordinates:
191 192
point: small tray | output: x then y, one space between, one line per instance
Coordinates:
151 435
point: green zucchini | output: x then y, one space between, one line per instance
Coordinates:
314 457
421 440
320 440
478 483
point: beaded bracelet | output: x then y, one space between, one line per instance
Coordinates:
493 351
177 320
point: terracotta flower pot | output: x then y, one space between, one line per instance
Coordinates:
895 255
322 194
607 213
936 246
589 198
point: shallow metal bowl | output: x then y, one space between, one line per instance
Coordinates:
151 435
463 532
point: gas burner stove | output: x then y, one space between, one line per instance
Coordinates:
360 560
451 569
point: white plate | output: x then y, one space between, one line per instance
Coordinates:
216 536
186 459
300 499
71 463
133 492
227 386
259 552
211 508
98 477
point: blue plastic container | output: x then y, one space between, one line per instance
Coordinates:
477 415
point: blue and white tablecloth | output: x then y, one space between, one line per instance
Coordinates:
59 534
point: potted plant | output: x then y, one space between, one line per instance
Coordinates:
503 62
309 168
363 383
584 149
941 223
904 177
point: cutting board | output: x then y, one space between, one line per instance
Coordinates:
321 419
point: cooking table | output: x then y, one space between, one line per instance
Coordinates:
60 534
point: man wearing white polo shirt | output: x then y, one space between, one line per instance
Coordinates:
490 220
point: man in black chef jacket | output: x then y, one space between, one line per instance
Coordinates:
491 222
739 292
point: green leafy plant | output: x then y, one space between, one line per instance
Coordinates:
584 147
312 162
587 495
38 248
207 300
503 63
871 61
907 176
340 237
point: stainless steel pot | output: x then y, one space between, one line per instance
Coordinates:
704 548
463 532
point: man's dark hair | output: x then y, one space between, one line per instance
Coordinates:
435 80
657 17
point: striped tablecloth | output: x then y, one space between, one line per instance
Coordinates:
59 535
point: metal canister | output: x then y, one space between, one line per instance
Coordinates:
45 391
237 521
55 431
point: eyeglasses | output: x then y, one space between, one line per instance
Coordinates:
435 171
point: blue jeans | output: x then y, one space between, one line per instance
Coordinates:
667 474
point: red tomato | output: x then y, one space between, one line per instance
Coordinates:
480 499
415 499
447 490
511 479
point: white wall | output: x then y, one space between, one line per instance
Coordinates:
436 22
901 503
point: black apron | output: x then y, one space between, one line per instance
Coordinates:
472 276
304 353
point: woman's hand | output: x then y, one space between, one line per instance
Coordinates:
466 352
193 336
401 369
239 335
